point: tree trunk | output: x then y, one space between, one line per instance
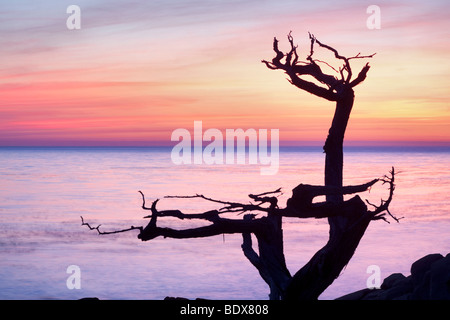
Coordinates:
270 262
271 252
346 229
334 154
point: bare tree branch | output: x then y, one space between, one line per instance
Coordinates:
229 206
247 247
326 63
272 200
269 192
301 200
359 56
219 226
361 76
378 213
295 70
108 232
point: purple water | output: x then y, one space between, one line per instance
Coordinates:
43 192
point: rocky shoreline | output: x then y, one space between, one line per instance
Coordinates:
429 280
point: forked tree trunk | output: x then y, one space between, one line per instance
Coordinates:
272 264
346 230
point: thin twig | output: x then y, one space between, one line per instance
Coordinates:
329 65
108 232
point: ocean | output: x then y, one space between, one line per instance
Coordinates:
45 190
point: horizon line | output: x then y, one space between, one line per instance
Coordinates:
282 144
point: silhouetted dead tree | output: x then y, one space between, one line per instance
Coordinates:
262 217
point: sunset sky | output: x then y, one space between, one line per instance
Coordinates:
137 70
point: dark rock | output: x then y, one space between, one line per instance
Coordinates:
391 280
175 298
429 280
440 279
357 295
182 298
421 291
405 296
421 266
400 288
373 295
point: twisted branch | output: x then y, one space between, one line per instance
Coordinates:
294 68
379 211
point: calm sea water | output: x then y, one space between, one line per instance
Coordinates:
44 191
